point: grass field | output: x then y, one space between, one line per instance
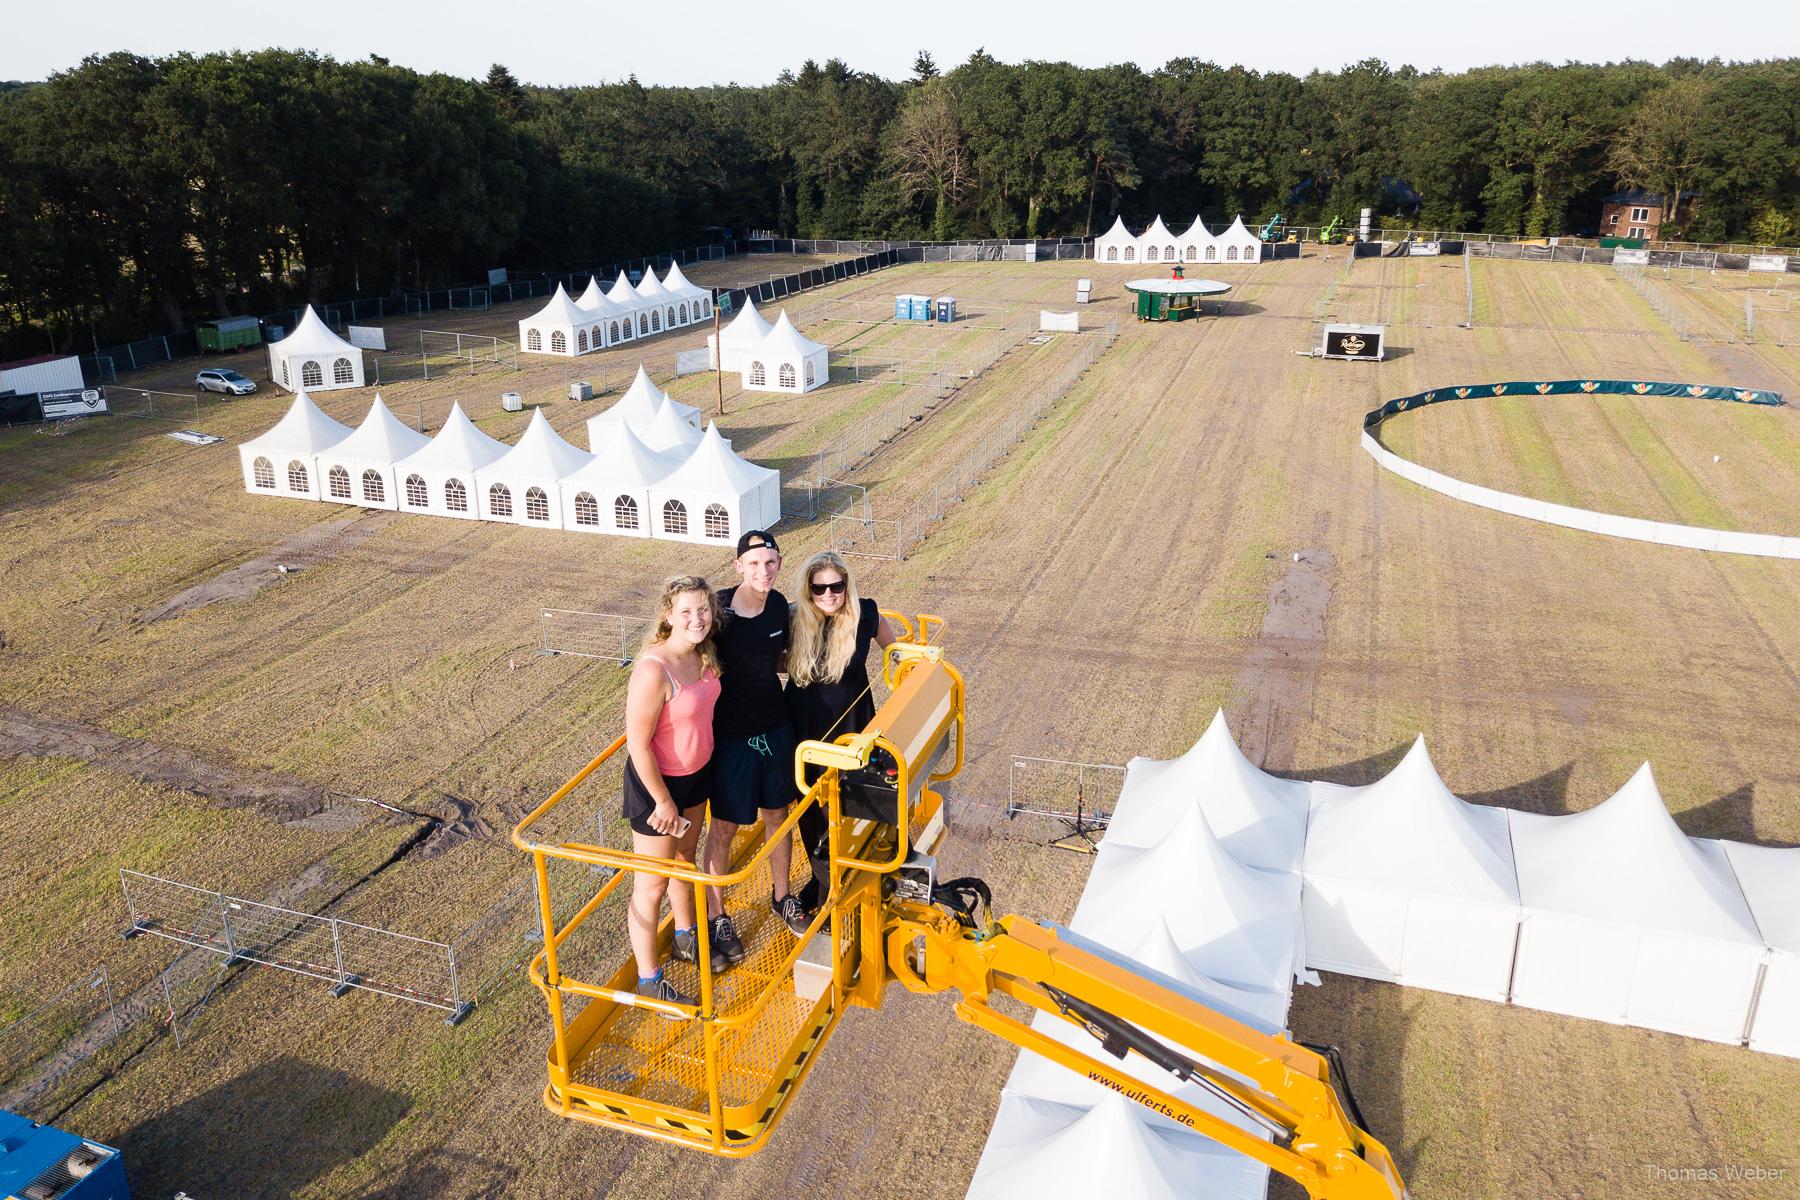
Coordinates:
1124 571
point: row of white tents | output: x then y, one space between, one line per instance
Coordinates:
598 319
771 358
1226 882
1197 885
1156 244
649 470
1613 913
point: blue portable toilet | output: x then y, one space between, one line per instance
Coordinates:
946 309
902 308
920 309
36 1159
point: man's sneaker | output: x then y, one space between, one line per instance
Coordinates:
793 914
687 949
661 989
725 940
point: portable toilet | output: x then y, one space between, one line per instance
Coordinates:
902 308
1083 289
946 309
38 1160
921 308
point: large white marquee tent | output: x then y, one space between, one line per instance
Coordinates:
637 408
561 327
786 361
1770 877
314 359
613 324
1406 882
1628 920
1157 245
714 495
747 329
360 469
521 485
442 475
283 461
611 493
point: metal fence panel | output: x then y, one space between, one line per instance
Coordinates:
613 637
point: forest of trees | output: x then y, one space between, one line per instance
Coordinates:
142 194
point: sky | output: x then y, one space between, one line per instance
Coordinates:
554 43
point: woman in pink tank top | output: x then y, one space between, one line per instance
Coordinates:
668 774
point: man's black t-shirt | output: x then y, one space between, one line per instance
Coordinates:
749 650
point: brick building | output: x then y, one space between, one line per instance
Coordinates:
1634 213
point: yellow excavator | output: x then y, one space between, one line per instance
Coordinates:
718 1076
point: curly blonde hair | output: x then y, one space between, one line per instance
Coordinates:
820 647
674 587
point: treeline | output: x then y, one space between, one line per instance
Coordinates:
140 194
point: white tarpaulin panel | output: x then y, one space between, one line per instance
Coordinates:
1629 920
1058 322
1406 882
367 337
1770 878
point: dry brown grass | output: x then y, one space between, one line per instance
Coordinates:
1107 588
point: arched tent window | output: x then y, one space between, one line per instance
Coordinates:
559 344
1190 252
758 376
297 476
785 377
717 522
671 317
581 340
705 306
656 320
1149 253
537 504
683 310
643 324
1131 254
374 490
415 492
339 481
263 471
587 509
534 340
1212 253
499 501
1169 254
809 373
342 371
615 332
456 496
311 374
625 514
1231 253
1112 254
675 517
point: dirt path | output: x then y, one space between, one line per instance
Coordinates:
308 548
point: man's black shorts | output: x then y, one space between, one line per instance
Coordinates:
751 774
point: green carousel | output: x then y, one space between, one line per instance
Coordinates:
1176 298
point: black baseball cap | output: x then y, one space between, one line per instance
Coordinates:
757 539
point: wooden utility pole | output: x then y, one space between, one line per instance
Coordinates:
718 357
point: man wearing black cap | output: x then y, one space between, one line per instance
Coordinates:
753 754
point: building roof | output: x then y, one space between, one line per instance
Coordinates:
303 430
560 309
381 438
313 336
34 361
458 446
1643 196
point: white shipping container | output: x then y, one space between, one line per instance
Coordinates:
55 375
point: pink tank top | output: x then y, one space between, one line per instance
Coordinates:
683 741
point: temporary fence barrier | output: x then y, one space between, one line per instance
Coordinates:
1079 795
610 636
342 953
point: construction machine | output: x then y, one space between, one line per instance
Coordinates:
1329 234
1272 231
718 1076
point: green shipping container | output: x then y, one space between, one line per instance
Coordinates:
229 333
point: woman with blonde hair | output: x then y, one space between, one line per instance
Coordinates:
668 772
830 631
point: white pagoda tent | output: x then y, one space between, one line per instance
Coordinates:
282 462
521 486
1628 920
629 302
560 327
1157 244
1770 879
670 431
637 408
1117 244
612 324
314 359
1407 883
786 361
744 333
1234 923
693 303
611 492
360 469
656 301
1194 242
715 495
443 473
1259 819
1238 244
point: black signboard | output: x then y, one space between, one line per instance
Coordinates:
76 403
1347 343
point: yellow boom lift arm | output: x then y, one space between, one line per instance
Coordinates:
718 1076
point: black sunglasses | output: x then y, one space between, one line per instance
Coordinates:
819 589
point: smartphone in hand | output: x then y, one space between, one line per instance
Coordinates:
682 825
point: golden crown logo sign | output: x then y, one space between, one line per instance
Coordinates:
1462 393
1696 390
1590 386
1499 389
1641 389
1746 397
1353 344
1543 389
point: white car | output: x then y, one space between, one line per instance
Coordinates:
224 380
